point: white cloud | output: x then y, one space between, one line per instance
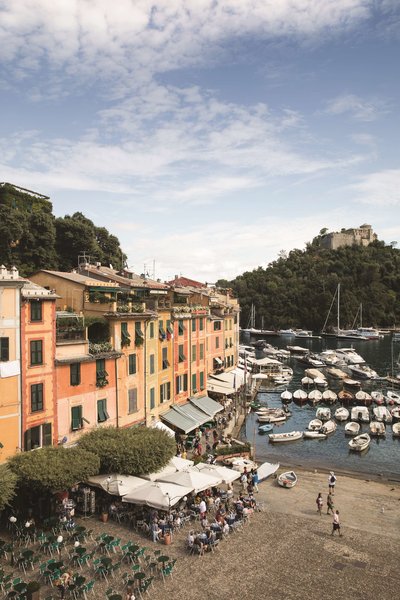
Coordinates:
360 109
381 188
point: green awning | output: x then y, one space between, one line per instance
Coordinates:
207 405
180 421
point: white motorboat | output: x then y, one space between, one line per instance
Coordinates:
300 395
290 436
314 396
360 442
307 381
395 412
240 464
329 396
298 350
392 397
315 425
396 429
286 332
286 396
314 373
350 356
321 382
362 396
377 428
378 397
288 479
266 469
341 414
336 373
272 418
314 435
328 427
362 372
352 428
381 413
330 358
265 410
323 413
360 413
352 383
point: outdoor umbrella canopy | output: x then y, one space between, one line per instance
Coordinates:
175 464
164 427
180 464
157 494
227 475
194 479
115 484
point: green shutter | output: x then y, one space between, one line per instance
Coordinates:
185 382
28 440
76 418
47 439
102 410
202 380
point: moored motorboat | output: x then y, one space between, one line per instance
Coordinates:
360 413
360 442
314 396
396 429
336 373
377 428
362 372
286 396
392 397
363 397
323 413
290 436
307 381
265 428
329 396
314 435
287 479
314 373
315 425
352 428
341 414
239 463
395 412
328 427
345 397
321 382
378 398
381 413
352 383
300 395
272 419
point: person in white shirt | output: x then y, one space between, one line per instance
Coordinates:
203 509
336 523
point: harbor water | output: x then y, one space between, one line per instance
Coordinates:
383 455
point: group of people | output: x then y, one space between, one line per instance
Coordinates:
249 481
330 508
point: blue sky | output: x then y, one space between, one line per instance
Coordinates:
207 135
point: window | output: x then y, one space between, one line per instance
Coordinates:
170 329
125 337
36 397
181 327
151 330
202 380
36 352
194 383
75 374
161 331
152 367
101 373
76 418
152 398
193 324
201 323
39 436
201 352
165 392
217 342
132 364
102 414
132 400
217 325
4 349
181 353
194 353
139 336
181 383
165 361
36 310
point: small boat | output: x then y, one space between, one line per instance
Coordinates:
321 382
265 428
363 397
323 413
286 396
307 381
314 373
315 425
328 427
378 398
288 479
300 395
266 469
360 413
329 396
362 372
350 356
395 412
392 397
352 428
381 413
345 397
360 442
272 419
377 428
352 383
297 350
336 373
290 436
396 429
239 463
341 414
314 435
314 397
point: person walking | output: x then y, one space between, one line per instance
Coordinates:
332 482
255 480
336 523
320 504
329 504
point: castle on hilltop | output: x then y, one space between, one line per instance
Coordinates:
360 236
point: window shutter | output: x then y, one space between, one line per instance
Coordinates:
76 418
47 439
185 382
28 441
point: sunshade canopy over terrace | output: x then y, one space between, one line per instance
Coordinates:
157 495
175 464
185 417
227 475
207 405
115 484
195 479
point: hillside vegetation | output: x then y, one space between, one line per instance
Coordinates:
297 289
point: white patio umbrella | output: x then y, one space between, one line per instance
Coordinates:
194 479
164 427
115 484
180 464
175 464
157 494
228 475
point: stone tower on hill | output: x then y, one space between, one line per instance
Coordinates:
361 236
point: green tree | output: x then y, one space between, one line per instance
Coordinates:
135 451
54 469
8 481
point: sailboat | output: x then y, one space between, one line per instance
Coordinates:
251 325
360 333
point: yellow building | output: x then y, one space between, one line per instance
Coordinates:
10 362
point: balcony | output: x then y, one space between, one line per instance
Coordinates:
70 327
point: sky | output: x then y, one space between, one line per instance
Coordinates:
207 135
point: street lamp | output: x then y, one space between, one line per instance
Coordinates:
12 520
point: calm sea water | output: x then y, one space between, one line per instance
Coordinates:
383 455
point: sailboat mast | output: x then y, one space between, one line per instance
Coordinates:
338 308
